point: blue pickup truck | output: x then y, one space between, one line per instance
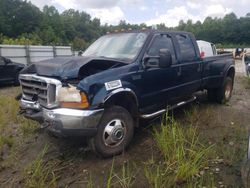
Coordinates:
121 78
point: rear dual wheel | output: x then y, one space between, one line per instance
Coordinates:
222 94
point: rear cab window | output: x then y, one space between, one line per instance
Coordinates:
187 49
162 41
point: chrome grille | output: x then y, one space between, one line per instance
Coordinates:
39 89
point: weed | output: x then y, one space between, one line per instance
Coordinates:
8 140
182 152
124 178
207 180
246 82
90 183
27 127
192 115
8 110
127 177
40 174
110 177
231 147
156 175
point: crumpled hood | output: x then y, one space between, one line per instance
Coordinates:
61 67
65 68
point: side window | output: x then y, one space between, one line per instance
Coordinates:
186 47
160 42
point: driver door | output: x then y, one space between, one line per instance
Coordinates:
160 84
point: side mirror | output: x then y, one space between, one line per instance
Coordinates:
151 62
165 58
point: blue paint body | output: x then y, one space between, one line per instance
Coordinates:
153 87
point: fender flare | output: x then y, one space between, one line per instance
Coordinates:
227 70
119 91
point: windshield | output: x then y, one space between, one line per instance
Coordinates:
124 46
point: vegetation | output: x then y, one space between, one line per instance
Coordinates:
21 22
40 174
246 82
182 155
12 125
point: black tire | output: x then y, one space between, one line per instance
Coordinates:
223 94
111 138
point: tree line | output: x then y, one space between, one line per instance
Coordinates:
21 22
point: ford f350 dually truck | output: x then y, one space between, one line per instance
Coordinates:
120 79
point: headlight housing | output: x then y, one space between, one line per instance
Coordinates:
70 97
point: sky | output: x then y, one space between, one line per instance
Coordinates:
151 12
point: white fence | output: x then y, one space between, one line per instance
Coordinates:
30 54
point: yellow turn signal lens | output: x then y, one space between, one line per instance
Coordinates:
79 105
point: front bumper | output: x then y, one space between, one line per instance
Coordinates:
64 121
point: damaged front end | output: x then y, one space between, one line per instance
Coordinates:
63 110
51 97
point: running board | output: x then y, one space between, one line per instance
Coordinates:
146 116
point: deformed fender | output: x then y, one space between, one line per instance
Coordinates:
103 96
121 90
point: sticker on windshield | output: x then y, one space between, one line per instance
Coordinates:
140 39
113 85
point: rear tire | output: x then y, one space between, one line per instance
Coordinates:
223 94
115 132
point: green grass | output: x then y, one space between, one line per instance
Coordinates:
232 147
27 127
123 177
246 82
157 175
9 109
179 156
39 173
14 129
127 176
182 155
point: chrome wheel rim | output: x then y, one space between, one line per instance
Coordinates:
114 133
228 91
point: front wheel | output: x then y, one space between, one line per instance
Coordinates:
115 132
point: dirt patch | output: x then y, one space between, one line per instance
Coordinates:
69 163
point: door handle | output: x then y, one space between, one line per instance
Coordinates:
179 71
